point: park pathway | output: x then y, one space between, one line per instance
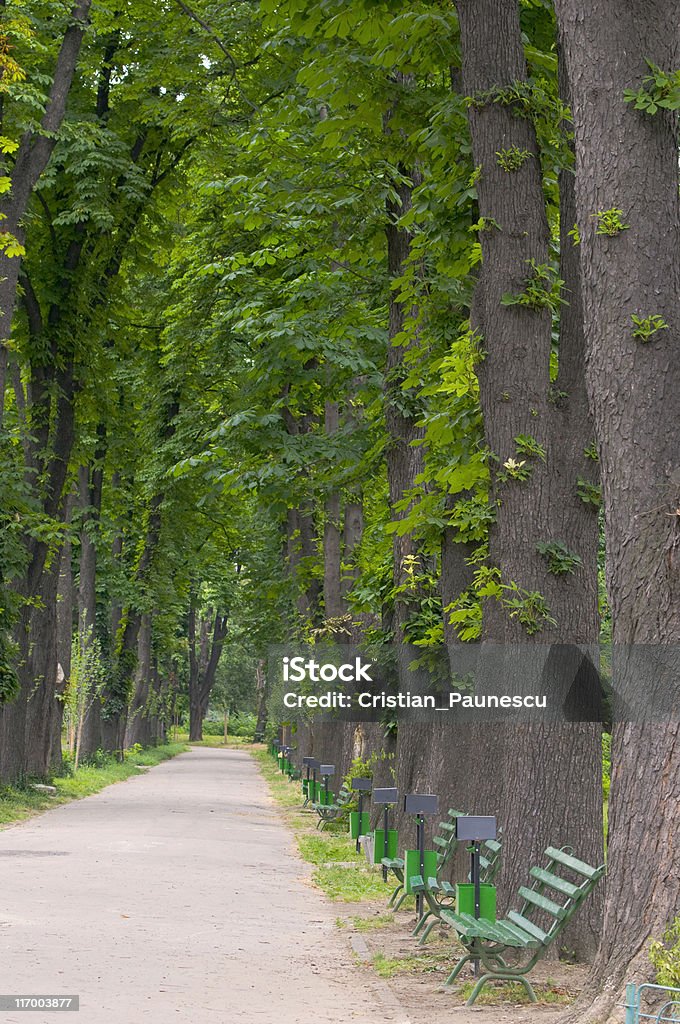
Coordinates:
174 896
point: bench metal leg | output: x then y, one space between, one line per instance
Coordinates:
426 934
421 922
501 977
457 969
401 899
394 895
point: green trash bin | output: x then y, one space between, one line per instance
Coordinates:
412 866
392 844
465 900
354 830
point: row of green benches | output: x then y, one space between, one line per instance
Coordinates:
556 891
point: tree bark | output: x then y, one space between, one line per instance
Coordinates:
138 724
261 726
626 160
334 605
90 482
405 464
544 508
31 160
203 663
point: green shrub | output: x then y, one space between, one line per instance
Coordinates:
242 724
211 728
665 956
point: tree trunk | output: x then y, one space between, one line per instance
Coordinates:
139 725
626 160
90 481
542 508
334 605
65 628
203 665
405 462
261 725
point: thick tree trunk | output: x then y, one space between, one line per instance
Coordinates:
65 628
533 804
90 481
405 464
203 663
139 725
626 160
334 605
301 545
261 685
353 531
42 749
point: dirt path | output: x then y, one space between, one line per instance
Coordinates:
175 896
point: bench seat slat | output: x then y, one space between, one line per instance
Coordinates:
527 926
522 940
501 932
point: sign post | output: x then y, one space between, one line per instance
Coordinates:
475 828
326 771
361 786
307 762
386 797
421 805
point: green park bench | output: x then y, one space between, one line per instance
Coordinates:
336 810
445 844
440 894
534 929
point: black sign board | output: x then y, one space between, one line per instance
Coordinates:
416 803
385 796
308 761
326 769
363 784
475 827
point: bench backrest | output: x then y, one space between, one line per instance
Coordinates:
490 858
555 894
444 841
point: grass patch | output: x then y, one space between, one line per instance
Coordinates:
369 924
325 847
351 885
424 963
497 993
20 802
